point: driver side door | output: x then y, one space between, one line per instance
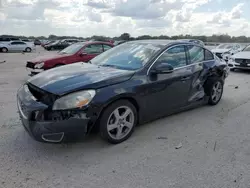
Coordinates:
168 92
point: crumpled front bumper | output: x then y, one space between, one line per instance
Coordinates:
234 65
32 115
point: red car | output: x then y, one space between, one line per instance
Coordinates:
78 52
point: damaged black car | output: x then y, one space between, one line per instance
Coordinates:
130 84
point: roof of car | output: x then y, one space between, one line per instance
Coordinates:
154 41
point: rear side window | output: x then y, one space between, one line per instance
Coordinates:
196 53
14 43
18 43
208 55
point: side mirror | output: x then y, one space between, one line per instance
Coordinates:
163 68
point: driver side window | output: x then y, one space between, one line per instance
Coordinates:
176 57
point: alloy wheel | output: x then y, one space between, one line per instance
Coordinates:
216 92
120 122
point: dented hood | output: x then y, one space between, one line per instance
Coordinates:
78 76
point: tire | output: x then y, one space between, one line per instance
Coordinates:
122 127
4 49
214 90
28 49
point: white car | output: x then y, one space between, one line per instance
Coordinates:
16 46
224 51
240 60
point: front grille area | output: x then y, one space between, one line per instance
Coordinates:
219 55
41 95
245 61
30 65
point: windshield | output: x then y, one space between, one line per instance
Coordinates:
55 42
222 46
72 49
225 46
128 56
246 49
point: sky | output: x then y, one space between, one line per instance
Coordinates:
85 18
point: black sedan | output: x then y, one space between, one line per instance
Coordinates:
127 85
57 45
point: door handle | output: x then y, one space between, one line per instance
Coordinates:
184 78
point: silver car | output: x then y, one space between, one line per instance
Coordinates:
16 46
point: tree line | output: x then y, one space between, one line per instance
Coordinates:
126 36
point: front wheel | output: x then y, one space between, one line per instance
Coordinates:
118 121
28 50
214 90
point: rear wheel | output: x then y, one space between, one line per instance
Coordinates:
4 50
214 89
118 121
28 49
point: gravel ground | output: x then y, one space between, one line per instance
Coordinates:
215 144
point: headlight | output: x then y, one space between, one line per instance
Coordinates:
74 100
39 65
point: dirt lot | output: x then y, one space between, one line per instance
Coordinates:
215 148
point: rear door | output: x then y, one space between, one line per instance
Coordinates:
21 46
198 57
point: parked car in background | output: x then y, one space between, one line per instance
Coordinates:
16 46
227 55
8 39
37 42
240 60
130 84
47 43
82 51
223 49
30 42
70 41
57 45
